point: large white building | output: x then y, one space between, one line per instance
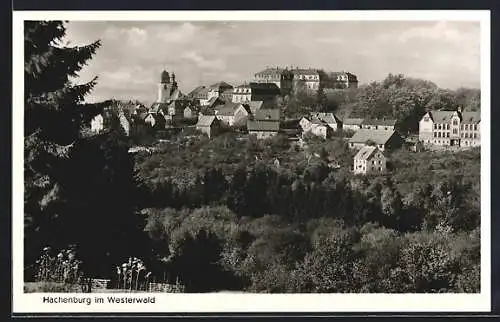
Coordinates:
450 129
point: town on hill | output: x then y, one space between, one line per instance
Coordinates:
295 180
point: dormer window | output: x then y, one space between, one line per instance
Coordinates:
455 122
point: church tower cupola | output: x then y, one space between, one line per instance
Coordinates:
165 77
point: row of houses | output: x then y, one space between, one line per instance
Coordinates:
263 123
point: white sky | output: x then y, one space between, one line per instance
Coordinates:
134 53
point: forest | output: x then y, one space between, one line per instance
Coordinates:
236 213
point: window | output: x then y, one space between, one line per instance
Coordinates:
461 135
447 126
440 126
439 134
454 131
447 134
426 119
435 134
455 122
475 127
475 136
466 126
435 126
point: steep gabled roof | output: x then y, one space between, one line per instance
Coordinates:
267 126
254 105
365 152
329 118
205 120
441 116
377 136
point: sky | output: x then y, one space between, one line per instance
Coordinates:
134 53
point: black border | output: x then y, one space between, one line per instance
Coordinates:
261 5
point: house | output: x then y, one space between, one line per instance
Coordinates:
352 124
227 95
282 77
214 101
200 95
172 110
156 120
124 122
208 124
382 139
215 90
320 128
368 160
340 80
255 92
379 124
315 126
188 112
329 118
255 105
97 123
450 129
232 113
305 124
263 129
267 114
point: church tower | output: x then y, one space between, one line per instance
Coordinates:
166 87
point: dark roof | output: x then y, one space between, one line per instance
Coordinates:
157 107
267 114
277 71
441 116
205 120
377 136
471 117
302 71
261 86
269 126
365 152
445 116
381 122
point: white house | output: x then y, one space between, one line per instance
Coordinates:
331 119
97 123
232 113
369 160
